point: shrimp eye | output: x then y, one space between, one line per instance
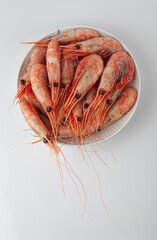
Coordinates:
79 119
63 121
78 46
50 85
44 140
102 91
61 50
77 96
22 81
49 137
99 130
49 109
86 105
108 102
63 85
55 84
39 112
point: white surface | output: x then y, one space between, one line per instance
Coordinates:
115 127
32 205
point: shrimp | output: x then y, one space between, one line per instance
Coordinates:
53 68
104 46
89 97
65 132
73 35
46 121
67 75
31 98
118 72
39 82
97 119
76 118
38 56
87 73
35 123
122 105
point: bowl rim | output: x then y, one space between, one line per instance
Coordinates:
62 29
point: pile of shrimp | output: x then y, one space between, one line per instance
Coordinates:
75 85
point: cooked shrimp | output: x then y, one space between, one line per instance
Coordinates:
104 46
97 118
87 73
46 121
39 82
111 98
65 132
53 68
122 105
75 119
89 97
39 55
31 98
118 72
67 75
73 35
33 120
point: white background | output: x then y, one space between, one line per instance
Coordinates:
32 204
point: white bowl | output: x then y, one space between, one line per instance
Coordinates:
115 127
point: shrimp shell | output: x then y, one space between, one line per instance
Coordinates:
31 98
38 55
53 68
89 97
105 46
73 35
118 72
40 87
122 105
33 119
41 90
79 34
87 73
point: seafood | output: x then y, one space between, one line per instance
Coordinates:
78 34
73 35
38 55
53 68
97 118
33 120
104 46
76 118
67 75
121 106
118 72
89 97
39 82
65 132
46 121
87 73
31 98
